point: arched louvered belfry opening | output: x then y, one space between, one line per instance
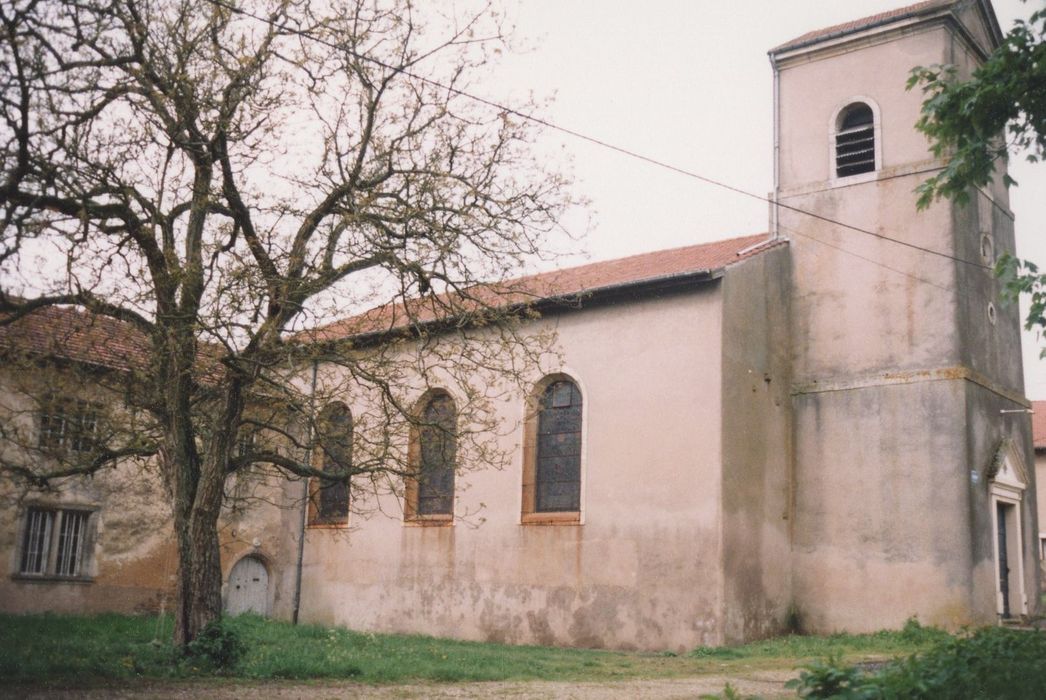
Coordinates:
855 147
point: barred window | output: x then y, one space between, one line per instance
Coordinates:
54 542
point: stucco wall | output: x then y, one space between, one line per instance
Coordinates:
131 555
642 570
862 305
756 472
989 327
883 515
895 515
262 519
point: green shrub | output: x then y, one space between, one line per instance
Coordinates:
916 633
994 663
217 646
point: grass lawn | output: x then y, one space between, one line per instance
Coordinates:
65 648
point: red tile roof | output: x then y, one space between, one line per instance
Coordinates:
1038 424
859 24
567 283
63 332
646 266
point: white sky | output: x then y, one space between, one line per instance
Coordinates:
689 82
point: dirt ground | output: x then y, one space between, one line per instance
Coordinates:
765 684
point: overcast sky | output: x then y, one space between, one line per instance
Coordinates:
689 82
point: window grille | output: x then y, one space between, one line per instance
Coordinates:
70 542
37 540
51 551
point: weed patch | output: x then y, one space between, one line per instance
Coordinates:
889 643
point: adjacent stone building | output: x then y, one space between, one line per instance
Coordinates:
822 426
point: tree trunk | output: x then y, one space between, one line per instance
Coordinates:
197 496
197 506
199 599
195 491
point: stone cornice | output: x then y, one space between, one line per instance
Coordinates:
910 377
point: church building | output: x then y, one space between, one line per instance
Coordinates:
822 427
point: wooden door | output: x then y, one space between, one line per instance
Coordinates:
248 589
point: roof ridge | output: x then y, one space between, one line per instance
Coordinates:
634 256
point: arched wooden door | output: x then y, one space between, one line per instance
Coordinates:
248 589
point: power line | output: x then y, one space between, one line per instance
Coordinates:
959 291
590 139
865 258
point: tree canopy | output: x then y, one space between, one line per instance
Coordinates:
975 123
217 176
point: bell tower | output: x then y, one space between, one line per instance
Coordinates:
907 368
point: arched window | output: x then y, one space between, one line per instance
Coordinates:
855 140
434 446
552 470
330 499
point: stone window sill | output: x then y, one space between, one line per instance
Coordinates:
440 520
327 526
557 518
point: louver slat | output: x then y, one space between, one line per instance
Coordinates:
855 152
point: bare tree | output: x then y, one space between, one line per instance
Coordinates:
217 176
